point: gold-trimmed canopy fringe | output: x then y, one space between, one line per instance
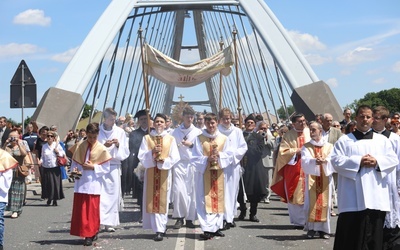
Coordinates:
181 75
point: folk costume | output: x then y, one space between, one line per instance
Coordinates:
85 221
157 180
183 175
319 188
232 174
363 192
209 180
289 180
391 230
111 198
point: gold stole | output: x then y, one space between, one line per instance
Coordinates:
318 187
157 179
298 195
98 153
213 176
7 161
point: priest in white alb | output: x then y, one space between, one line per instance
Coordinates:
315 162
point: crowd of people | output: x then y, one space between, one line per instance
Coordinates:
208 168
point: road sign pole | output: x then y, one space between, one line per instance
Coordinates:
23 97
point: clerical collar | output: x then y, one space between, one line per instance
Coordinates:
363 135
384 132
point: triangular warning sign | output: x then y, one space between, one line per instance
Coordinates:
28 77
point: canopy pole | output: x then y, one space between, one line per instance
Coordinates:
221 45
146 87
237 79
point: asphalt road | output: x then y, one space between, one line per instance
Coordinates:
42 227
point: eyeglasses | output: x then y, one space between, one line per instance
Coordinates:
236 125
263 128
336 126
50 135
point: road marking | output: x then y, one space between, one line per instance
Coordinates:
198 243
180 240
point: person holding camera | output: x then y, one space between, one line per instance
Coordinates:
263 130
16 194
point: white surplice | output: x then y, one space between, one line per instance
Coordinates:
208 222
361 188
238 148
157 222
111 198
310 167
183 175
392 219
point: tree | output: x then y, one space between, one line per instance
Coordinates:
86 111
282 113
389 98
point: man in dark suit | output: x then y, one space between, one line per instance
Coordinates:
4 131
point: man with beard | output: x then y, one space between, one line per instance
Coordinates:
255 175
288 180
363 160
183 171
231 174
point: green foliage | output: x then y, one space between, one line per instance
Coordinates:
86 111
389 98
282 113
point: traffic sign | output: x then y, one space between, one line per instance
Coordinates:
23 84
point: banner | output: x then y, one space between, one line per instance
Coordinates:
181 75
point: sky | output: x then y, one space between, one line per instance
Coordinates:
354 46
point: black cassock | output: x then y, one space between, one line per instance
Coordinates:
255 174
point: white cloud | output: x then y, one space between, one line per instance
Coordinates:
66 56
315 59
396 67
15 49
32 17
380 80
357 56
306 42
333 82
